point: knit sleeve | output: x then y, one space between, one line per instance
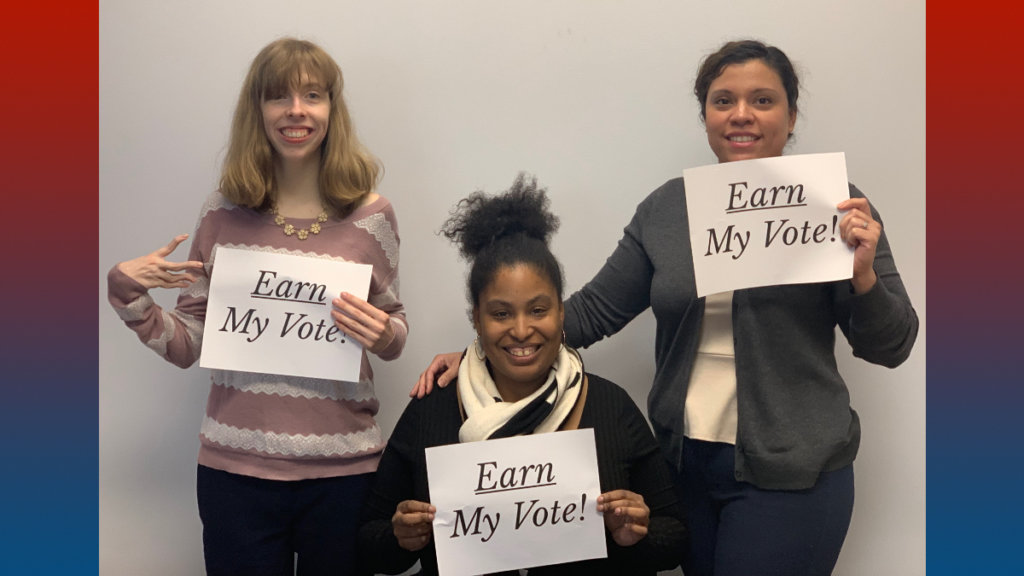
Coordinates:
648 473
384 285
176 335
394 483
881 325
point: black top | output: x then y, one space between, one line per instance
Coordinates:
627 458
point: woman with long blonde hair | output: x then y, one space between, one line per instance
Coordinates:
284 461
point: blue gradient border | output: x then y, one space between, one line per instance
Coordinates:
975 311
48 346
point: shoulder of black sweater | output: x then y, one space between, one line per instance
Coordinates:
438 395
605 389
440 408
605 400
440 401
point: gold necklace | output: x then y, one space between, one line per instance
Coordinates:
302 233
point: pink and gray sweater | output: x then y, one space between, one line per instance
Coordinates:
267 425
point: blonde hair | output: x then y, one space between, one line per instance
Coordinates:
347 170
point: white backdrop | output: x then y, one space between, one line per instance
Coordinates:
592 96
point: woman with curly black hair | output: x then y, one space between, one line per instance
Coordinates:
518 378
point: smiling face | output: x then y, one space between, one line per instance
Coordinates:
518 320
747 115
296 121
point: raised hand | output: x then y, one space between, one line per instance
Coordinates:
861 232
154 271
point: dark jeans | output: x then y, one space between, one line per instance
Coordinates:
255 527
737 529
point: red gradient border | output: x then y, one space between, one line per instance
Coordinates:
975 78
48 347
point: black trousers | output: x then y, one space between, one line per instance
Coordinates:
738 529
257 527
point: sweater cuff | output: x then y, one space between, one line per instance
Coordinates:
394 348
871 308
122 290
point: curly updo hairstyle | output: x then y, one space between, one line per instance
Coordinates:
505 230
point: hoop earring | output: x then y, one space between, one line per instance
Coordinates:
478 349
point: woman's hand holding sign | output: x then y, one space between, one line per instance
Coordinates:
154 271
363 322
412 524
861 232
625 516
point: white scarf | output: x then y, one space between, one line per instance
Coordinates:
487 414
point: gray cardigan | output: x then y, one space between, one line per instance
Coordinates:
795 419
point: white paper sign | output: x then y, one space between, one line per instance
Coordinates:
767 221
516 502
271 313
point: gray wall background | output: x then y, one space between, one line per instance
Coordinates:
592 96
